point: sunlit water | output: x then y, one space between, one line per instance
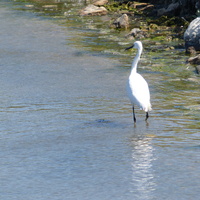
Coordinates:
66 124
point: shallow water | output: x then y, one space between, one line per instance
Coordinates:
66 126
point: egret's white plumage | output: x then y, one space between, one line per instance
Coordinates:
137 87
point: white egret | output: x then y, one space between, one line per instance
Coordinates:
137 87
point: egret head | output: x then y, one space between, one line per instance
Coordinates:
136 45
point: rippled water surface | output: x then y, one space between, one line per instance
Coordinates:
66 124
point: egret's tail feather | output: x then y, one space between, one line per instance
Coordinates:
148 108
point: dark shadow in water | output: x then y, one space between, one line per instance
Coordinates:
105 123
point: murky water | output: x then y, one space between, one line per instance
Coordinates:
66 126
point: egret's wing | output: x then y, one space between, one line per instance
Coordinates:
138 92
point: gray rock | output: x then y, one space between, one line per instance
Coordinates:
122 22
136 33
192 34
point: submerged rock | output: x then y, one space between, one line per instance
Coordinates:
192 35
136 33
198 69
93 10
194 60
191 50
122 22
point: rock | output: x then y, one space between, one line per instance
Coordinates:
122 22
93 10
192 34
169 48
136 33
100 2
191 50
194 60
153 26
169 10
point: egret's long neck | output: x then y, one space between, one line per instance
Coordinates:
136 60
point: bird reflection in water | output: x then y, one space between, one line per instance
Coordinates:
143 177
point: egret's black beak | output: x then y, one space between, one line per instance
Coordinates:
129 47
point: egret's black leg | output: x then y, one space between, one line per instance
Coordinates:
134 118
147 116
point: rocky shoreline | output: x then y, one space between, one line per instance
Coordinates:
158 22
191 35
163 17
